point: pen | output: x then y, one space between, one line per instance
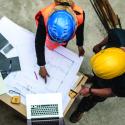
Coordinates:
36 75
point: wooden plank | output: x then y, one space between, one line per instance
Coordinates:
99 14
106 14
103 10
113 15
17 107
99 7
81 81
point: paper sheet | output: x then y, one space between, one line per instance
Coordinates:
61 64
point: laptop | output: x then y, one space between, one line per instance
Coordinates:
44 109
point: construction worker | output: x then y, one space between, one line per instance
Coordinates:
108 66
57 24
115 38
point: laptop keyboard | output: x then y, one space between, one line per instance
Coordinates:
40 110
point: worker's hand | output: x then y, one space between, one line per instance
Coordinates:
123 48
97 48
81 51
43 73
84 91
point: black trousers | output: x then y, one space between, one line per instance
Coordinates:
89 102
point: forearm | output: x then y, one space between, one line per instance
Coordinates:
80 35
40 42
105 92
40 53
104 42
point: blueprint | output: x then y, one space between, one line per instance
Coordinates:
61 64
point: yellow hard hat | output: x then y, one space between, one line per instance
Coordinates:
68 1
108 63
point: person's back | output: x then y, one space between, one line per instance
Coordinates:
57 24
116 38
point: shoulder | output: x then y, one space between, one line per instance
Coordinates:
78 9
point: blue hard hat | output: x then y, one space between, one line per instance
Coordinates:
61 26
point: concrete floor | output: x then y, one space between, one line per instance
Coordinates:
110 112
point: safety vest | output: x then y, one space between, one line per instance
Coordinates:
45 12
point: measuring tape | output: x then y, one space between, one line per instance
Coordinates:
15 99
72 94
